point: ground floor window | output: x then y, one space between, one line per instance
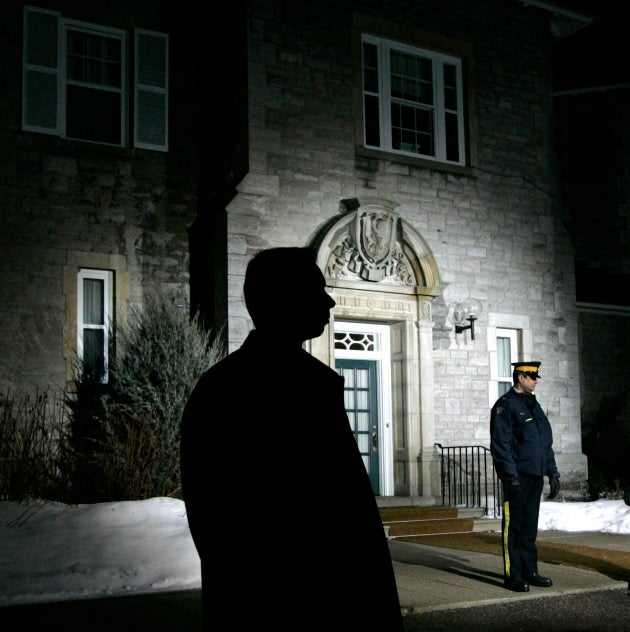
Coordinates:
507 352
94 320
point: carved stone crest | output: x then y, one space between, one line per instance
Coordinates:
375 237
371 249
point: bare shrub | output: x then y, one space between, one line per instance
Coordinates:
34 431
126 434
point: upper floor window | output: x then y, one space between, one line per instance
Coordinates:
95 308
412 101
76 82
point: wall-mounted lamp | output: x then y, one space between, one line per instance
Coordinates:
468 310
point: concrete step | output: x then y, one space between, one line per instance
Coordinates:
402 522
414 512
428 527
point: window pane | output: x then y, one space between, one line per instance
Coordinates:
94 59
450 87
452 137
348 399
364 443
504 387
93 352
372 125
363 402
411 78
353 421
93 114
366 462
412 129
94 87
418 96
348 376
504 357
357 342
363 422
93 306
363 378
370 68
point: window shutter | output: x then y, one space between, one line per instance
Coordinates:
40 71
151 90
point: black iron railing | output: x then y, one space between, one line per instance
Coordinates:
469 479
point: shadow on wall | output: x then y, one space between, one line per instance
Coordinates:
606 443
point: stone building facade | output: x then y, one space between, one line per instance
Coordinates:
412 144
487 229
117 211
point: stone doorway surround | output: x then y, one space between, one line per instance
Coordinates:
379 269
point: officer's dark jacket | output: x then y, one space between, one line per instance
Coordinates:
521 437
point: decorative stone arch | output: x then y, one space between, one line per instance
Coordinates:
370 242
379 269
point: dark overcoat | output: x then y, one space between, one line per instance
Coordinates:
278 500
521 438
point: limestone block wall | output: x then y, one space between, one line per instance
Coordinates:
68 212
493 230
66 204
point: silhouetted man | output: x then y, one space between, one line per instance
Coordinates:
278 499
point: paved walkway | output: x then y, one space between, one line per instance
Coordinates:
429 578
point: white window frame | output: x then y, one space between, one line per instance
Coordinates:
102 31
383 48
45 80
107 276
382 356
523 347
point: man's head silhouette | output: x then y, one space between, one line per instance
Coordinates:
285 294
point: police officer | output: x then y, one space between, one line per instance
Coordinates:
521 445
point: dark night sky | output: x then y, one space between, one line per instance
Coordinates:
596 55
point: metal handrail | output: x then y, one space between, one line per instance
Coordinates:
468 478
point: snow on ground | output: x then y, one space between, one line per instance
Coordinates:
55 552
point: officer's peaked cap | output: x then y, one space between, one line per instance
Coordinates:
528 367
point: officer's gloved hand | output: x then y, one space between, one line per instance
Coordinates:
554 487
512 486
626 495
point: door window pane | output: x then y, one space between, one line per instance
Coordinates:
363 420
348 376
348 399
363 442
363 378
363 402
